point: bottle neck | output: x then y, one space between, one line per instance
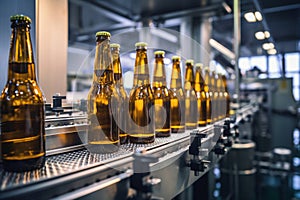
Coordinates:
141 70
103 72
176 76
21 61
189 81
199 81
159 76
117 69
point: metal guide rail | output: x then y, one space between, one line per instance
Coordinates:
66 174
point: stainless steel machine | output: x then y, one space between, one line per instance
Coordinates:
160 170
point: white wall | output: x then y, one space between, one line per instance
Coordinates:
52 45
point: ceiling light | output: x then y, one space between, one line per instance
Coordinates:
272 51
222 49
260 35
258 16
250 17
267 46
267 34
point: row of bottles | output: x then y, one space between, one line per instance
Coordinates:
150 110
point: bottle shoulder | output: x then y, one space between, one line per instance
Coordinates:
141 92
25 91
161 91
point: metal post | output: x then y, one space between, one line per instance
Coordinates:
236 45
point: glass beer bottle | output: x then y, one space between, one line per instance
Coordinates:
191 113
22 104
117 69
141 100
201 95
177 99
215 95
226 96
161 97
103 101
209 94
221 99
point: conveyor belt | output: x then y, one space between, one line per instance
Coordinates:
67 163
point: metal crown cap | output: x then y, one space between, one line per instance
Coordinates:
159 53
175 57
141 44
103 33
20 18
189 61
200 65
115 45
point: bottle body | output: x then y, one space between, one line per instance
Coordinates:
103 101
161 98
201 95
22 105
209 95
118 81
177 98
141 100
191 111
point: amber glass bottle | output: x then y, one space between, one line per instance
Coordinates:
191 112
103 101
161 97
22 104
201 95
141 100
221 99
215 96
209 94
226 96
177 99
117 69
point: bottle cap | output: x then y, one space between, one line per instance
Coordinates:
141 44
115 45
200 65
20 18
206 68
103 33
162 53
175 57
189 61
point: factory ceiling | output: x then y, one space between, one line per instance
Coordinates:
280 18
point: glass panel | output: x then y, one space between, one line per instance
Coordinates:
292 62
244 64
274 64
260 62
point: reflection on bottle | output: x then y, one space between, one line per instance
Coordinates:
161 97
177 98
103 101
141 100
201 95
191 112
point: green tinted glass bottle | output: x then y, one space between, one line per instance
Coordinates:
209 94
177 99
103 101
201 95
141 99
117 69
161 97
22 104
191 112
